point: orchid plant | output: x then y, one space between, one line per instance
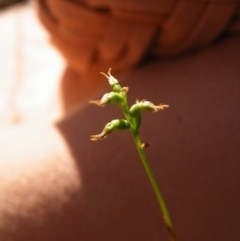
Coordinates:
132 122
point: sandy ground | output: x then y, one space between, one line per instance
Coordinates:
30 68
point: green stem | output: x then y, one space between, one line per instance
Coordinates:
162 204
138 143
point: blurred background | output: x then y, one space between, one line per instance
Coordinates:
30 67
93 36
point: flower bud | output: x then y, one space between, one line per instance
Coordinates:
110 127
112 81
112 97
145 145
124 90
144 105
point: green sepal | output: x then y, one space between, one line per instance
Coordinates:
112 98
139 107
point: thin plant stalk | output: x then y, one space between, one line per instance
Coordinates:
161 202
132 122
149 172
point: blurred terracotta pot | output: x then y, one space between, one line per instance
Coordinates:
94 35
97 34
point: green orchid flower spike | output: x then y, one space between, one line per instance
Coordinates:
118 96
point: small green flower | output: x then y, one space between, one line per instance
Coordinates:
112 97
110 127
144 105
